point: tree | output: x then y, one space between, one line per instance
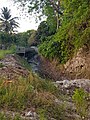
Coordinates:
39 7
43 32
7 24
73 34
21 39
32 40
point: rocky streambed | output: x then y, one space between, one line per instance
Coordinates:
11 69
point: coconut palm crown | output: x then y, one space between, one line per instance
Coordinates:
7 23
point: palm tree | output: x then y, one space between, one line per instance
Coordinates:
7 24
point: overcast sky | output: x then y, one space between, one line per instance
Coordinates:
26 23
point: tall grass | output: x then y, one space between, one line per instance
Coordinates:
14 94
3 53
20 94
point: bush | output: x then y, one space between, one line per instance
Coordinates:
80 99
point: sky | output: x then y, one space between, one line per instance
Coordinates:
26 23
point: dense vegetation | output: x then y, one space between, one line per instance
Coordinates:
73 22
21 39
62 42
73 33
43 32
18 39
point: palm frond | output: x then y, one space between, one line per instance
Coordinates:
1 19
14 18
8 24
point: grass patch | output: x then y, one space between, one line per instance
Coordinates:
23 62
14 94
43 85
20 94
3 116
3 53
81 99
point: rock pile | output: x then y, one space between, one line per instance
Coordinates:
68 86
11 68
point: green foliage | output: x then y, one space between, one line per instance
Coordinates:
31 40
3 53
21 39
51 9
51 19
73 33
44 30
40 7
80 99
2 117
5 38
54 49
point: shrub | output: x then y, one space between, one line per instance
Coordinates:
80 99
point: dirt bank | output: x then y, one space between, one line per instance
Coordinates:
76 68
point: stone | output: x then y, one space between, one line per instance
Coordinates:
29 114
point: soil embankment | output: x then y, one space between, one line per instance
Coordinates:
76 68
